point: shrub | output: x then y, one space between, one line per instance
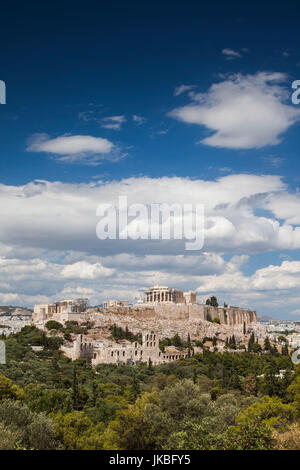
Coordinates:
254 435
36 430
53 325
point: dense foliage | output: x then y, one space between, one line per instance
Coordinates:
118 333
206 401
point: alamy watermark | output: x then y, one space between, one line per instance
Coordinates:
296 94
295 359
2 92
2 352
152 222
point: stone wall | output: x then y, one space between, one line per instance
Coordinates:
123 352
80 348
142 312
39 319
172 311
228 315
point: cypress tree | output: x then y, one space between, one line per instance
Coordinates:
75 394
267 344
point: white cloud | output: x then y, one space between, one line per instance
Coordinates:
58 216
271 278
72 148
49 248
203 263
17 269
87 116
183 89
274 161
231 54
154 134
113 122
273 289
85 270
8 298
243 111
284 206
139 120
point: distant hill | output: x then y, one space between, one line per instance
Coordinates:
15 311
267 318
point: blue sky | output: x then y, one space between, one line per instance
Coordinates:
160 95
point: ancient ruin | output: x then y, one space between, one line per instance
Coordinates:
165 311
122 352
115 303
62 311
163 294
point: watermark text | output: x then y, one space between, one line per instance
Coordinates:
2 92
152 222
296 94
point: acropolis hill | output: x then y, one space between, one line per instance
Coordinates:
164 313
173 304
160 303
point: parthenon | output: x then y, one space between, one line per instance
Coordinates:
163 294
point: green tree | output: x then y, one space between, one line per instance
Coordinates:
9 390
39 398
268 410
294 389
267 344
209 317
36 431
53 325
8 437
256 348
251 436
177 341
251 342
77 432
129 431
250 385
212 301
285 350
75 389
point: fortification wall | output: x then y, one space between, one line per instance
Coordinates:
226 315
172 311
164 311
139 311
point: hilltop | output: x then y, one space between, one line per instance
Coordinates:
10 310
